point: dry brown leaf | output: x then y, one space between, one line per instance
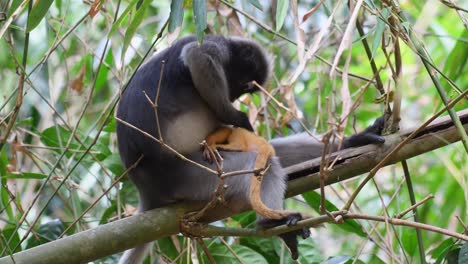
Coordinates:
287 96
95 7
232 20
311 11
234 26
77 83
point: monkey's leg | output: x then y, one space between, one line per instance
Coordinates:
229 139
219 136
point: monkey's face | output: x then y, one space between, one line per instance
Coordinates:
240 87
248 62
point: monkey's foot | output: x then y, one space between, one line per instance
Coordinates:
289 238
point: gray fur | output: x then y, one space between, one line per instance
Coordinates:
297 148
206 64
135 255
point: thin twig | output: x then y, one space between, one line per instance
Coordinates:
146 134
281 105
274 32
205 250
409 184
125 173
402 222
414 204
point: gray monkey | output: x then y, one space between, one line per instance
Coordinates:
198 84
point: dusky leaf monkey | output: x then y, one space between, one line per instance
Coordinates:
195 92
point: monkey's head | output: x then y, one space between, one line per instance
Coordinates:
248 62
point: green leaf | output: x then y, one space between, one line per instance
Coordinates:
3 162
107 213
57 136
281 12
337 260
370 3
124 15
114 164
264 246
136 21
246 218
25 175
110 126
199 14
440 251
102 76
410 241
452 256
38 12
458 58
379 30
463 255
14 5
221 254
313 199
308 251
256 4
167 247
5 202
374 259
9 234
47 232
177 14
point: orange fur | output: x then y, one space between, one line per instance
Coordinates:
240 139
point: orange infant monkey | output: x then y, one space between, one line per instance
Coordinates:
240 139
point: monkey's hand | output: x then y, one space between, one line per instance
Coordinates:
210 153
371 135
289 238
243 121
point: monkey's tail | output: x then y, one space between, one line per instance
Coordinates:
135 255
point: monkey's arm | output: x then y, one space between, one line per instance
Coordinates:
301 147
205 63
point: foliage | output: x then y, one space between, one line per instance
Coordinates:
63 68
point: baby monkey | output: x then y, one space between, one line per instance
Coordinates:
240 139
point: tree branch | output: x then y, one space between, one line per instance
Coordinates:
117 236
356 161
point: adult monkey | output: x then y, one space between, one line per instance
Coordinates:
196 88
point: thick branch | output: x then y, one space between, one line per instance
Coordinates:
106 239
117 236
360 160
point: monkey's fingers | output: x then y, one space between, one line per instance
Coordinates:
211 154
208 154
375 139
292 219
290 239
